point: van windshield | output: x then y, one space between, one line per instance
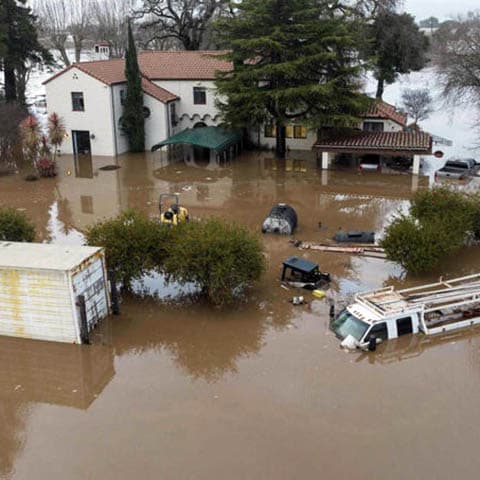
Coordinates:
347 324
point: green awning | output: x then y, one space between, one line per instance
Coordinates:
215 138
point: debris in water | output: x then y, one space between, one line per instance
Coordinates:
109 167
17 387
298 300
187 188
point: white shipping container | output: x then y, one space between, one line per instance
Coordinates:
41 286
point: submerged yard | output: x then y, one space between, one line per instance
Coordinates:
177 390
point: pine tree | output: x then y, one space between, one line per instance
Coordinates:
398 47
293 60
133 122
18 43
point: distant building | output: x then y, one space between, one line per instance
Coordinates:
101 50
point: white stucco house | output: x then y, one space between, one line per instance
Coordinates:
179 93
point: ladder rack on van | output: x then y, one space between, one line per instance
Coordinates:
426 298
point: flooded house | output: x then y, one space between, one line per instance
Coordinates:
179 94
382 138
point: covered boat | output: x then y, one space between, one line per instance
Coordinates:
282 220
354 236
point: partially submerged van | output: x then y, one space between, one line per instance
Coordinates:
387 313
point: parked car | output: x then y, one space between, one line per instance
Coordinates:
458 169
370 163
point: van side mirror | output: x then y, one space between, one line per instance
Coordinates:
372 344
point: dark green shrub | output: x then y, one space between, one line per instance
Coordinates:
453 207
418 247
219 256
15 226
439 223
133 244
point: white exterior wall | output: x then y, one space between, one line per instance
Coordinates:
97 117
36 304
187 112
156 125
121 139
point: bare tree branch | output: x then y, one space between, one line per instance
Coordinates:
185 21
417 104
53 22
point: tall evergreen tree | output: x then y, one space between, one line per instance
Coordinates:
133 122
293 60
20 43
398 46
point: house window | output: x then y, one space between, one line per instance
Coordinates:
299 131
78 104
373 126
86 202
199 95
291 131
173 114
123 96
270 131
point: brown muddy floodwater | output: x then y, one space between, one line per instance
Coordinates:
262 391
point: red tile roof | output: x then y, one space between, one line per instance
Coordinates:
381 109
157 65
380 141
157 92
183 65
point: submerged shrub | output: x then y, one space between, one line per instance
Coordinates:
46 167
219 256
456 209
15 226
439 223
133 244
418 247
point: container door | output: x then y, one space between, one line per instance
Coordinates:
91 283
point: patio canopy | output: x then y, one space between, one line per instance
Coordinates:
214 138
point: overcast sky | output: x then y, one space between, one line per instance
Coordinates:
441 9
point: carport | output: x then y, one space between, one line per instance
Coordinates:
224 142
383 144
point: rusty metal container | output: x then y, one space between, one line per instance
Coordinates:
52 292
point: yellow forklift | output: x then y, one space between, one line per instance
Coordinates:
174 214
